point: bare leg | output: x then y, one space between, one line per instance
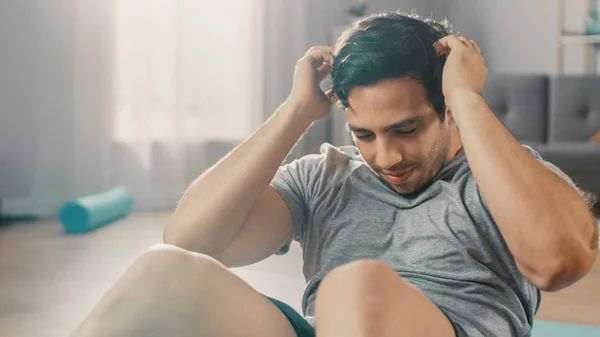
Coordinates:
368 298
169 291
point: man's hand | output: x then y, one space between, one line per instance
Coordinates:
465 68
306 92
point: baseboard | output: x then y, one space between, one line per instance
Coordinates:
41 208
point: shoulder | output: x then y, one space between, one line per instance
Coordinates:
313 179
331 161
315 172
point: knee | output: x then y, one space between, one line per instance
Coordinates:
365 286
165 261
362 277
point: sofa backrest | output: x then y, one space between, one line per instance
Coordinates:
521 103
574 108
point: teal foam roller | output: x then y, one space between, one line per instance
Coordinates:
91 212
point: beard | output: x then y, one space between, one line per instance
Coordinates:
431 164
439 154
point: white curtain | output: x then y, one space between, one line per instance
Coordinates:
188 87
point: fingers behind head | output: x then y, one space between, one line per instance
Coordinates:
319 55
470 44
444 45
323 70
447 43
475 46
464 41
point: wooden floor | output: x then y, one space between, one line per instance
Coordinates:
50 281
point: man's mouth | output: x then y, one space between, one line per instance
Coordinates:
398 178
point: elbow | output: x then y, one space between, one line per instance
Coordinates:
553 279
573 258
562 272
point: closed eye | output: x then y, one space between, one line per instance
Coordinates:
405 132
363 136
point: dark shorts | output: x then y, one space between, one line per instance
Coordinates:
300 325
304 329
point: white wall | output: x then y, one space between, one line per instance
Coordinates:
515 35
322 16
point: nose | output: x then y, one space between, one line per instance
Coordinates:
387 155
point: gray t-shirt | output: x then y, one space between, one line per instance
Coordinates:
443 240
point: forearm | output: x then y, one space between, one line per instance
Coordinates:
545 222
216 205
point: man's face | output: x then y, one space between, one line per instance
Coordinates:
398 133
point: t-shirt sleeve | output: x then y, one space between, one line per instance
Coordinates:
297 183
549 166
589 197
553 168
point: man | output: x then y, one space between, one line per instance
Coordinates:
402 236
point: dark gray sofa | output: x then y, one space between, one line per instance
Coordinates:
556 116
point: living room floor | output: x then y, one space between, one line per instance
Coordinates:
49 281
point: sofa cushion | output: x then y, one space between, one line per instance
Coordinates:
574 108
520 102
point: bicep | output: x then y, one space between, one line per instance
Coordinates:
267 228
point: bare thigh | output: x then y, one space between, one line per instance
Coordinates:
368 298
169 291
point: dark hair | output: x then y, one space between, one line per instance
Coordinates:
390 45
